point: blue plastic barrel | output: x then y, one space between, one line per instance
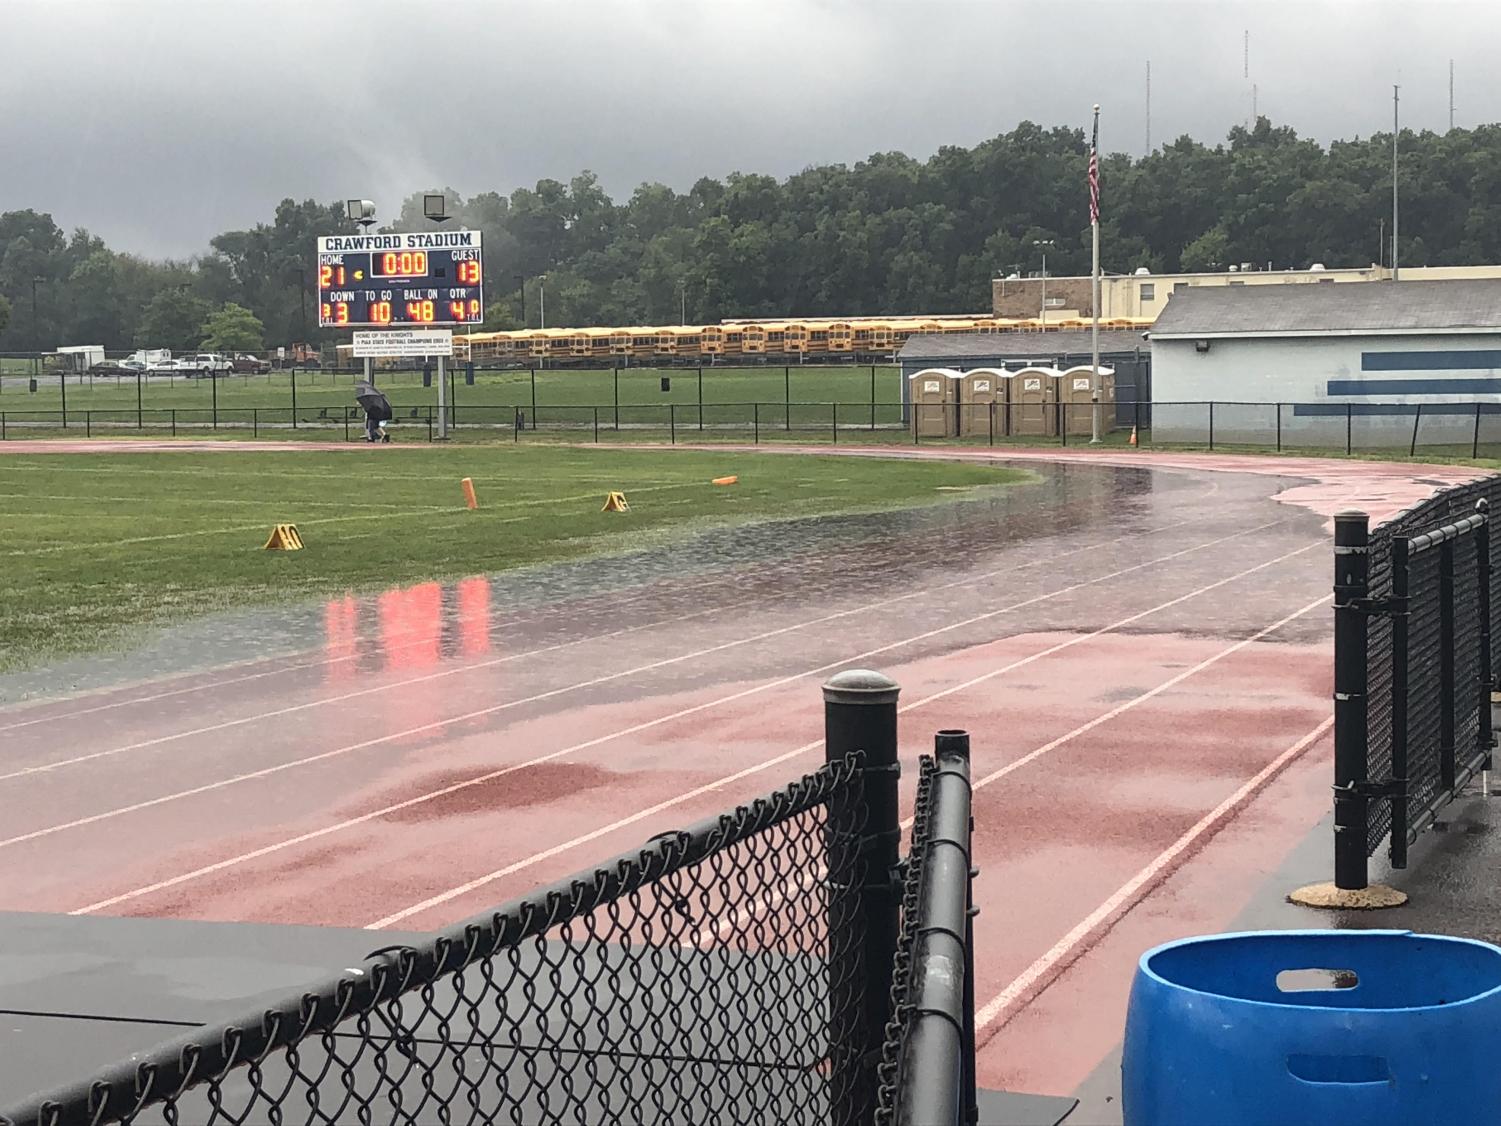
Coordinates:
1327 1028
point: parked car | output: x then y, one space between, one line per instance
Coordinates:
106 367
248 364
210 363
166 366
128 367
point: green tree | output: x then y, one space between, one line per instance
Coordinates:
233 328
172 319
4 314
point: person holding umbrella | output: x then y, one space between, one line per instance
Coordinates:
377 410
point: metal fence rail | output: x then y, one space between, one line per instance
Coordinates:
927 1069
714 975
1461 430
1413 673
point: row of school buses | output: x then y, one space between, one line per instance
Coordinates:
875 338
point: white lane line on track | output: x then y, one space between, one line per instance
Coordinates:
478 882
646 725
1103 718
994 1014
265 715
1172 682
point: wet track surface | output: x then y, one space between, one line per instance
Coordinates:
1131 648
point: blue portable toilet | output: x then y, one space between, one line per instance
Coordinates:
1324 1028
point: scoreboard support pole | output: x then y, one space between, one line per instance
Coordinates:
442 401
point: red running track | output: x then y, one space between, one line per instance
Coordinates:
1146 682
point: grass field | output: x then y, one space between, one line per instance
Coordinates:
101 545
317 391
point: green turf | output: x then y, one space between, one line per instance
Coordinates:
559 393
99 546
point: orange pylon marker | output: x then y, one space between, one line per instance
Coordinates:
1133 435
470 500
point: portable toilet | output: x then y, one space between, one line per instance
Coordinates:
1031 402
1074 392
934 398
981 395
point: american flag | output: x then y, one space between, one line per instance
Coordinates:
1094 175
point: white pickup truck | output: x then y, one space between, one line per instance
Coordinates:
205 364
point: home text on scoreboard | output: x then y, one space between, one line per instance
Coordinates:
417 278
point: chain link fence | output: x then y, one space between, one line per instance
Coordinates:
740 970
1414 619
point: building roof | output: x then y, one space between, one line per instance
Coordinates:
1016 345
1331 309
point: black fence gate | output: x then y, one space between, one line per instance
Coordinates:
1413 671
778 963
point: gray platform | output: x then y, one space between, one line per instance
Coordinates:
77 994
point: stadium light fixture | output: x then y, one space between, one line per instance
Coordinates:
361 211
435 207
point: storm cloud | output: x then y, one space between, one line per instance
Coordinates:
159 124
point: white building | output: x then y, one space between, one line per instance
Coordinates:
1380 366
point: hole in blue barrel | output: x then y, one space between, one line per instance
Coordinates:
1339 1069
1297 981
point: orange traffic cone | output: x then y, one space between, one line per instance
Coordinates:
1133 435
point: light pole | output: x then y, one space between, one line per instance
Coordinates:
1044 242
542 300
683 303
36 331
521 289
302 292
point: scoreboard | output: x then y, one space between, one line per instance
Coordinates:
419 278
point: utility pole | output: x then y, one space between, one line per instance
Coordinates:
1396 131
1148 150
521 289
542 300
1044 243
1245 71
1096 384
1451 95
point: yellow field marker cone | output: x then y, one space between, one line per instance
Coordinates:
1133 435
284 537
615 502
724 480
470 500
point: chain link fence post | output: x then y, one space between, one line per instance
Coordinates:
1483 577
1351 587
860 715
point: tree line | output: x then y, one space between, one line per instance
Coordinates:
890 235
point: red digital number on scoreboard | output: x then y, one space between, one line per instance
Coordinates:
404 264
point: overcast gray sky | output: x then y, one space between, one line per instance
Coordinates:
158 123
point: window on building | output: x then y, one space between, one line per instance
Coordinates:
1054 302
1326 281
1149 291
1181 285
1237 283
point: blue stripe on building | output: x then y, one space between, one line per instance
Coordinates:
1406 410
1416 386
1449 359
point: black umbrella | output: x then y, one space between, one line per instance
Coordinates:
375 404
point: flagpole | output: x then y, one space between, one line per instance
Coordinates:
1095 381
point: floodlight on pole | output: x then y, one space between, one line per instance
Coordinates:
361 211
